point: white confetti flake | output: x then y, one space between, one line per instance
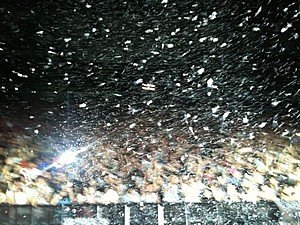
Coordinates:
159 124
213 15
94 30
262 125
195 18
31 117
139 81
127 42
148 31
40 32
256 29
210 82
159 71
206 128
149 102
202 39
275 103
215 109
132 125
82 105
175 32
88 6
36 131
200 71
191 130
164 1
67 39
170 45
285 133
258 11
155 52
223 45
186 116
284 29
245 119
225 115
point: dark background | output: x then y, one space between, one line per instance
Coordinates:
56 55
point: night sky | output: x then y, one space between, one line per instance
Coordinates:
198 69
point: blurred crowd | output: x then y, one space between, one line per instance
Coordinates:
106 175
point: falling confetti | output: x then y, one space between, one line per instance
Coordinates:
168 87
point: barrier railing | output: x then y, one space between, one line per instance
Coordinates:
144 213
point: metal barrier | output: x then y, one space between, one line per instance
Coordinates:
143 213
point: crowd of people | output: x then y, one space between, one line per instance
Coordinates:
107 174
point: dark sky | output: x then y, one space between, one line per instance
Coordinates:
216 67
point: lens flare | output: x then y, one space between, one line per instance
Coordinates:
67 157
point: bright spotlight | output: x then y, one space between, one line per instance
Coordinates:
67 157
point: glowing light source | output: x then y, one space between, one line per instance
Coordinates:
67 157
